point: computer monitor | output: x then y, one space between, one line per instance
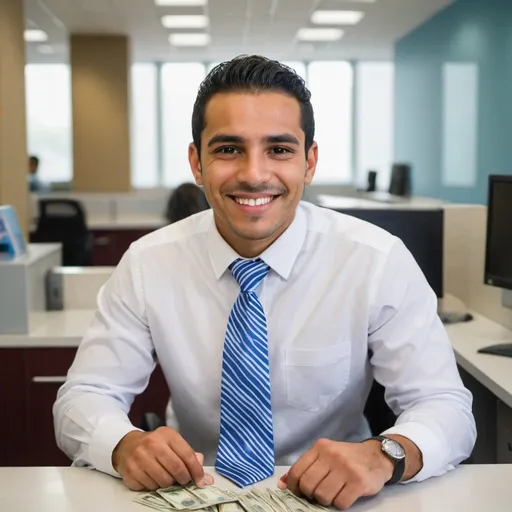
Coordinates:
498 253
420 230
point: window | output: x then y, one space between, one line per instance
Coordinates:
180 82
330 84
374 121
144 126
298 67
460 124
49 133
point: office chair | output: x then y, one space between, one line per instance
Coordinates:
372 181
64 221
379 416
400 184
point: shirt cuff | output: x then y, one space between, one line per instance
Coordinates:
105 438
433 453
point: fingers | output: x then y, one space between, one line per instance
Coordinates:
312 477
159 459
282 482
327 490
193 469
349 495
172 463
298 469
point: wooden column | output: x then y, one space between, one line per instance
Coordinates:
101 132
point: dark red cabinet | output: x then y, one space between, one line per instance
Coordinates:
29 381
111 244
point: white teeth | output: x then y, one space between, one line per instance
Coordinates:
253 202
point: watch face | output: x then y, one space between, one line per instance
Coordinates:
393 449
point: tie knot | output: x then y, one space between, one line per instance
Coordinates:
249 273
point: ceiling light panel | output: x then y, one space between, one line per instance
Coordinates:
185 21
181 3
337 17
190 39
319 34
32 36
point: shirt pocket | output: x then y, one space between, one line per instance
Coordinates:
315 377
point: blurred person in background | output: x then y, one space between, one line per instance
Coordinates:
185 201
34 183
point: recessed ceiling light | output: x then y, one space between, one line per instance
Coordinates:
319 34
185 21
337 17
190 39
45 49
181 3
32 36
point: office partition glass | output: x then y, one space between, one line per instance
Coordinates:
330 84
374 121
144 126
49 129
180 82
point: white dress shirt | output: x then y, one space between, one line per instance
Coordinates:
338 289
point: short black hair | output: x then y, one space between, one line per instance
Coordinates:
253 73
34 160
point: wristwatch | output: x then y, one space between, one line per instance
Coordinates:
396 454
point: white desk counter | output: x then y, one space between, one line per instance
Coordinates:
125 221
494 372
468 488
66 329
55 329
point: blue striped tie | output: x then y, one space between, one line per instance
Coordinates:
246 445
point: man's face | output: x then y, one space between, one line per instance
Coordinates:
32 166
253 165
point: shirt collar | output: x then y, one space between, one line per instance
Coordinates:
280 256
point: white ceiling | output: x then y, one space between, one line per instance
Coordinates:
236 26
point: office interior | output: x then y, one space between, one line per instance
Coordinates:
413 120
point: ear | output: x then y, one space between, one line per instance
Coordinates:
312 161
195 163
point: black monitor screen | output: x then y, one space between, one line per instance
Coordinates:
420 230
498 261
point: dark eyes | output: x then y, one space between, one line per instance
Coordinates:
232 150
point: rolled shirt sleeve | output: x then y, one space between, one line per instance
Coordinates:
113 364
412 358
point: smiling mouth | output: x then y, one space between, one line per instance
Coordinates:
258 201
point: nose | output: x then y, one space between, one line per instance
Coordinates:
253 169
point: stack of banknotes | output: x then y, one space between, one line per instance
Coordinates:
213 499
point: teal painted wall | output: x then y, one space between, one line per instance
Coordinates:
469 31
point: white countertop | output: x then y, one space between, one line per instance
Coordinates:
54 329
126 221
35 252
494 372
66 329
468 489
372 201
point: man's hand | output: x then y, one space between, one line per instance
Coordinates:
336 473
151 460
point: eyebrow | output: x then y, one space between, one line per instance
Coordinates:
226 138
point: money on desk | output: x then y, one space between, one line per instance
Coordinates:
213 499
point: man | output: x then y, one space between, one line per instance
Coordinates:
262 313
34 183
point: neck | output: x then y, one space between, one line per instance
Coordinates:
248 248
